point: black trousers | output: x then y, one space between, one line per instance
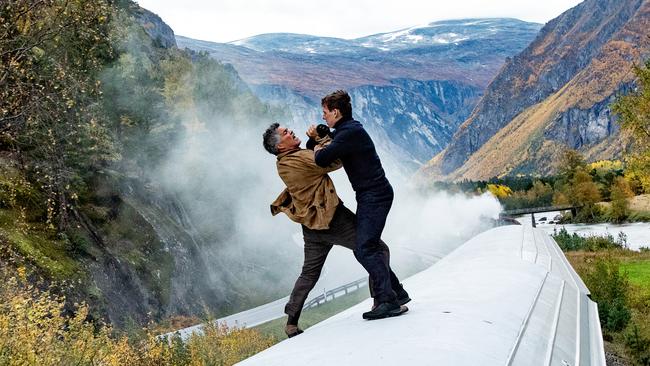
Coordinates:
318 243
372 209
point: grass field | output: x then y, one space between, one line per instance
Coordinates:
313 316
638 272
636 264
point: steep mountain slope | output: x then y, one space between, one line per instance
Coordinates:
127 208
555 94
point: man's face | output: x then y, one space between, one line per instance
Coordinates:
288 139
331 117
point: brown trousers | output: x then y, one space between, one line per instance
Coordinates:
318 243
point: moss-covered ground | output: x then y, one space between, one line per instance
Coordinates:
36 244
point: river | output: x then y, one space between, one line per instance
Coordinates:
638 233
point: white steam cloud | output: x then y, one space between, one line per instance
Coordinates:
227 181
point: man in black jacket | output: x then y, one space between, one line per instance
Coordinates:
353 146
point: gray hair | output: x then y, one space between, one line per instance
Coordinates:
271 139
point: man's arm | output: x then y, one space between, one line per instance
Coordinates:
336 149
313 138
318 144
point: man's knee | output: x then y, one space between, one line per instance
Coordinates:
383 246
362 252
308 279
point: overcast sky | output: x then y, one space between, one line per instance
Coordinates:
230 20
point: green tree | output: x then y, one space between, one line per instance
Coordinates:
51 52
611 290
633 111
132 96
571 162
584 193
620 193
564 193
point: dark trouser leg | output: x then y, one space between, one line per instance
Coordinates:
394 281
315 254
372 210
343 232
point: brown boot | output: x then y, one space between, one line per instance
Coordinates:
292 330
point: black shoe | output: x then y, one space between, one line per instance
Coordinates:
402 299
385 310
292 330
402 296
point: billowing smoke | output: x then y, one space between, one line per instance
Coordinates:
227 179
421 227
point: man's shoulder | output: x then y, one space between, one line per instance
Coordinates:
351 130
297 157
297 154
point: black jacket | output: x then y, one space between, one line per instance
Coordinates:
352 144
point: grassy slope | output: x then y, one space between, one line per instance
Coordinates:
637 264
36 245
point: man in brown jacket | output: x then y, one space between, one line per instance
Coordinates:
310 199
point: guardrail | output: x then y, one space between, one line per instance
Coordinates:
334 293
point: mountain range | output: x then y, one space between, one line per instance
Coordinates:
411 88
553 95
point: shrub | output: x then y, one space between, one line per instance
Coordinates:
611 290
220 345
35 331
638 344
571 242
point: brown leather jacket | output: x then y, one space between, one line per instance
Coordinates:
310 197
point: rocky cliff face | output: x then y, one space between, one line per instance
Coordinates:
409 120
577 128
161 33
554 93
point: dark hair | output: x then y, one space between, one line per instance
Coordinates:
340 100
271 139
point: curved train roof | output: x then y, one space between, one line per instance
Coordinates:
507 296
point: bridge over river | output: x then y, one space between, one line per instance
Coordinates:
532 211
